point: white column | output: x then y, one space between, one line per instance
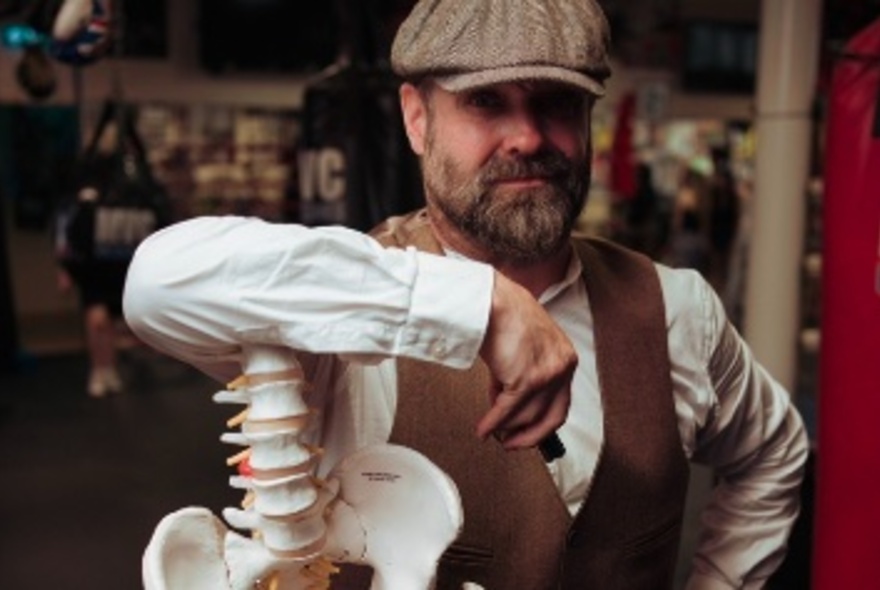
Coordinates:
788 63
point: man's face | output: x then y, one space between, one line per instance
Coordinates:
508 165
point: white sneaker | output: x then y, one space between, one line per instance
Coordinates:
112 380
103 381
97 387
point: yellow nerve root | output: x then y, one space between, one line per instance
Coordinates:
318 572
237 383
270 583
238 457
238 419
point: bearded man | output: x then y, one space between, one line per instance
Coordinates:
478 328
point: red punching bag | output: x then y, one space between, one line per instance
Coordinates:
847 533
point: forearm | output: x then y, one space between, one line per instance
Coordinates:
757 444
749 517
198 289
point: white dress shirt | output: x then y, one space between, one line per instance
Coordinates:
199 289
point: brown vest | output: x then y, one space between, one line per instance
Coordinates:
518 534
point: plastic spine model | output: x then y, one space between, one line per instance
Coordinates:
385 506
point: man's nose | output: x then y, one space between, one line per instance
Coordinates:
524 133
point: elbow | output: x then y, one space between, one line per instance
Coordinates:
172 284
799 443
162 278
143 299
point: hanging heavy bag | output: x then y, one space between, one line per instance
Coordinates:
128 181
116 205
355 165
35 73
79 38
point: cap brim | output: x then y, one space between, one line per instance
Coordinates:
470 80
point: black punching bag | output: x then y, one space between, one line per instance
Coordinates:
846 544
355 167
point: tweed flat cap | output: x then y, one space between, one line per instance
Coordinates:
469 43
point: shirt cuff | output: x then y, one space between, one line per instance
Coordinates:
449 311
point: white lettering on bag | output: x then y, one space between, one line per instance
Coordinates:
122 227
322 174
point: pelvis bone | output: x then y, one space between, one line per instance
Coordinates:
384 506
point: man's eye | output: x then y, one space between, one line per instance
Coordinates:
484 100
562 105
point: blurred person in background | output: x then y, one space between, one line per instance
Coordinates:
116 205
724 216
689 243
646 216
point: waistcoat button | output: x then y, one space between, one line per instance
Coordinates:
576 539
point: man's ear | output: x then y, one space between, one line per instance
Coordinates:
415 116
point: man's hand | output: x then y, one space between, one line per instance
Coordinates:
532 362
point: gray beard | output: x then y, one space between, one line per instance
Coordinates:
519 227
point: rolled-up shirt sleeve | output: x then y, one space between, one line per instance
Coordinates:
754 438
199 289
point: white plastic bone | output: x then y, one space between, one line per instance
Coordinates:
286 495
385 506
280 399
273 450
395 511
186 551
409 509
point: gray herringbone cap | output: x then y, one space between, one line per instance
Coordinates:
469 43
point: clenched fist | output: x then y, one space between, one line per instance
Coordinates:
532 362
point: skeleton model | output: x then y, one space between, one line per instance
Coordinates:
385 506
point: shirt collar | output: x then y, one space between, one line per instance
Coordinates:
572 276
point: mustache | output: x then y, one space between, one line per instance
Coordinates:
548 164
